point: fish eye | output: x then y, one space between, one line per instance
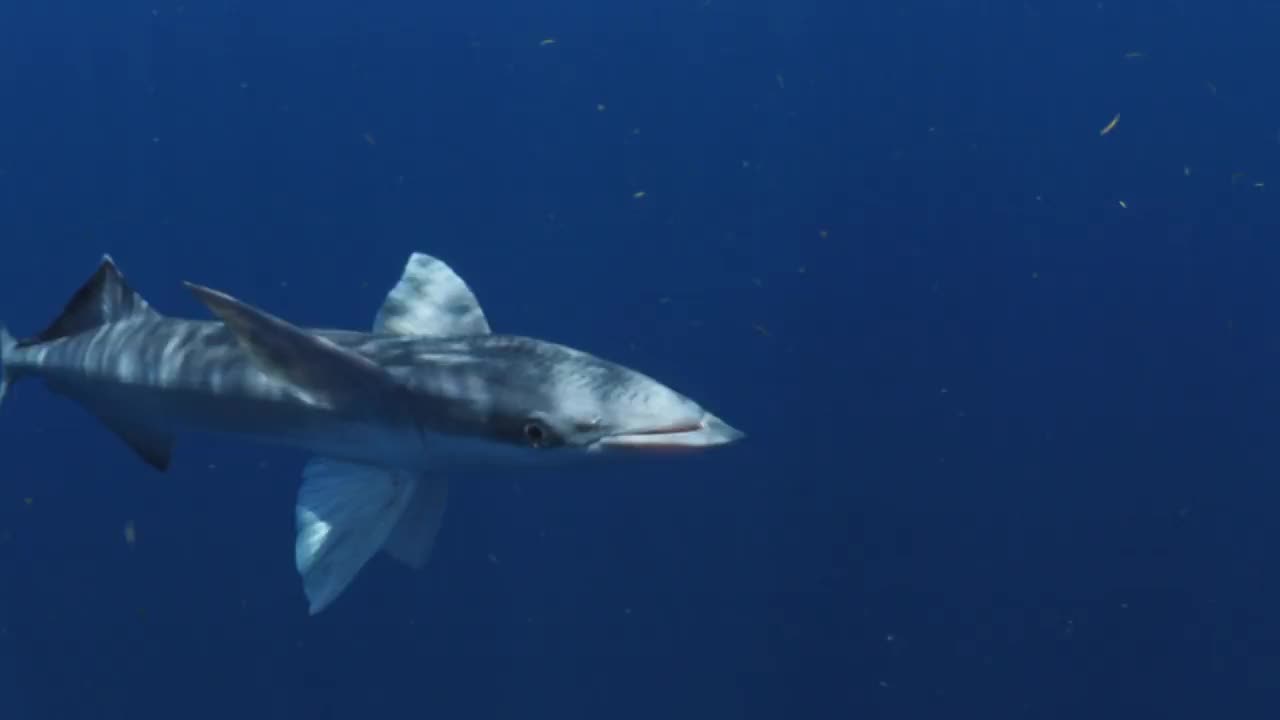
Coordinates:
536 433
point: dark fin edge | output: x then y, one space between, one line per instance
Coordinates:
104 298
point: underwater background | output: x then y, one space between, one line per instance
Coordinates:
991 287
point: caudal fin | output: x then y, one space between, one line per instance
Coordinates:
105 297
7 344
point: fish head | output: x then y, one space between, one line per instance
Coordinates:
540 401
600 407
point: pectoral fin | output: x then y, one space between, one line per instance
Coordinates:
345 514
327 373
415 534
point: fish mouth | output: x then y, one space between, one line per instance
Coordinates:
709 431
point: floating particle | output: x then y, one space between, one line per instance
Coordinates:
762 330
782 84
824 233
600 107
1123 204
370 139
244 84
1135 55
28 501
1110 126
1186 171
639 194
493 559
548 42
130 534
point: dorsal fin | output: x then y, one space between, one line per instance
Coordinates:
430 299
104 298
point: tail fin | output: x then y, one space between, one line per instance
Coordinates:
105 297
7 344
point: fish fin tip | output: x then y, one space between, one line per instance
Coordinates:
155 447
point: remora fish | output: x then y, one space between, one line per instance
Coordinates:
388 414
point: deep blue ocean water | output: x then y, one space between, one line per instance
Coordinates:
1008 382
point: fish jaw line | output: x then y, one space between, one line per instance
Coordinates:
710 431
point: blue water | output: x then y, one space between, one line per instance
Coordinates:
1007 381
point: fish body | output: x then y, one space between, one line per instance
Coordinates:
388 414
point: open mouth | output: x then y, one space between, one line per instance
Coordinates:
710 431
